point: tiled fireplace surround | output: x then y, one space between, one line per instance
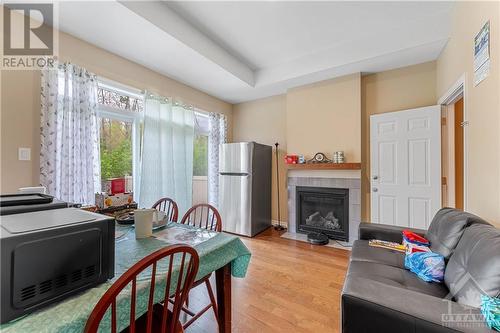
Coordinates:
352 184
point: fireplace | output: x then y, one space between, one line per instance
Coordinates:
324 210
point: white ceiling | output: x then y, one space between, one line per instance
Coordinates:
239 51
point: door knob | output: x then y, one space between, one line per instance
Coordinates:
375 189
375 177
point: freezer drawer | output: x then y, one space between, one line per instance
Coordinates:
235 203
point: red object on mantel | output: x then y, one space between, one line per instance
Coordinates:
117 186
291 159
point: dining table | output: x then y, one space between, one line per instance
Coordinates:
219 252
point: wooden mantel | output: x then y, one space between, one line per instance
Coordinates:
324 166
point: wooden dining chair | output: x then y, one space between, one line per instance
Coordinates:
158 317
168 206
203 216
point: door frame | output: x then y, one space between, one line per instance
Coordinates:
454 93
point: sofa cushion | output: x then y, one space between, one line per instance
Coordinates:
447 227
362 251
370 306
474 267
396 277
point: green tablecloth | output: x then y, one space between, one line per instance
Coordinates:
71 314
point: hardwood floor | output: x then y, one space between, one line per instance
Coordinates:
290 286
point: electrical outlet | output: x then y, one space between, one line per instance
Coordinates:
24 154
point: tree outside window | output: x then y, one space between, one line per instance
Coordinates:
116 148
200 159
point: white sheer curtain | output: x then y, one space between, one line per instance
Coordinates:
167 153
69 150
217 136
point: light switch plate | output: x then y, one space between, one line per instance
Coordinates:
24 154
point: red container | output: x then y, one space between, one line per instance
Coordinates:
291 159
117 186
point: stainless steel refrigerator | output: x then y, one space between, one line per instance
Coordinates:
245 187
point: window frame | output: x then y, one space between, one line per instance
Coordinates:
133 117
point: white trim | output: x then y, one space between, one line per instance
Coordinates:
135 118
457 90
123 115
120 87
106 111
201 111
136 153
283 223
454 92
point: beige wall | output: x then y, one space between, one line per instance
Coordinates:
264 121
19 127
20 91
404 88
399 89
325 117
314 108
482 104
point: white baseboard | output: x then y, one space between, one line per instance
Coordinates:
283 223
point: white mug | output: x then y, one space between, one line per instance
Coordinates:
143 220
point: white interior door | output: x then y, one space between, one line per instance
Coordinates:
406 166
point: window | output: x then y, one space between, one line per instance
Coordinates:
200 158
116 151
119 114
117 100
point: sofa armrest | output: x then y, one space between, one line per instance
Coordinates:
384 232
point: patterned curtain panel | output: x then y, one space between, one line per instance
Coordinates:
167 153
69 152
217 136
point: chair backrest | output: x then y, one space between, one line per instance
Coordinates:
168 206
188 268
203 216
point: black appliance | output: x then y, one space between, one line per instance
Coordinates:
28 202
50 254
